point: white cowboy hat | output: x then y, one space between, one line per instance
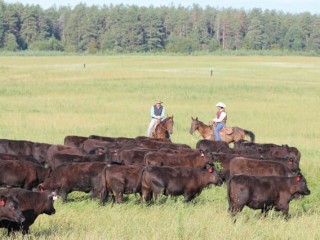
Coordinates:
159 101
221 104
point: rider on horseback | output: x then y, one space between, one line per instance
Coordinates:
220 121
157 113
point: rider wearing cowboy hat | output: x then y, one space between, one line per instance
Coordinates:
220 120
157 113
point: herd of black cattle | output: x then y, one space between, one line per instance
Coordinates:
32 174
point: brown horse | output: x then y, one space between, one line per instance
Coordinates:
164 128
228 134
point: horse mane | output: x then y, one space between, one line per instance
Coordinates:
162 124
164 121
202 123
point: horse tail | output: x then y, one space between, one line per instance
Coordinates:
250 134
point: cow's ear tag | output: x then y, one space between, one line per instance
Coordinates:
290 161
298 178
41 189
54 198
202 154
210 170
2 202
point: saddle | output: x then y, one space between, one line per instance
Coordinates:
226 130
152 133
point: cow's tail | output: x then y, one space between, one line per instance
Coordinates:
228 195
104 190
250 134
137 189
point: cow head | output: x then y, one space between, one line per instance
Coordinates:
97 151
214 176
48 202
9 208
299 185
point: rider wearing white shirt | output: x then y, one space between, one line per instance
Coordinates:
220 120
157 113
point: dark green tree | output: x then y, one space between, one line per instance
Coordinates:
315 35
152 29
2 23
10 42
30 24
256 37
294 39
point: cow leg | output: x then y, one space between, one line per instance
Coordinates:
283 206
154 196
118 196
64 195
10 230
234 209
113 199
188 197
104 196
265 210
284 210
146 195
25 230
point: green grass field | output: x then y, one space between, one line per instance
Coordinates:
44 99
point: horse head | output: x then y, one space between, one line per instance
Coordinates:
169 124
194 125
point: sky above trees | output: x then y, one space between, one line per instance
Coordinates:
291 6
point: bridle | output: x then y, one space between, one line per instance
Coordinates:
161 127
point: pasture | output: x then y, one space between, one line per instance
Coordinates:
43 99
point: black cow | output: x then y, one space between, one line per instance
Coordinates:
130 156
16 147
120 180
271 148
91 144
248 166
74 141
32 204
4 156
39 152
139 138
194 159
57 149
103 138
224 160
211 146
156 144
21 174
175 181
84 177
264 193
63 158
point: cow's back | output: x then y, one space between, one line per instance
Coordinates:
253 167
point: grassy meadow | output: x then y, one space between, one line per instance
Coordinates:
44 99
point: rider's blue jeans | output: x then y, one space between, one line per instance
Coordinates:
216 130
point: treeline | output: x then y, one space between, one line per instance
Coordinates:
129 28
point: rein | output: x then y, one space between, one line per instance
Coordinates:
196 136
162 127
